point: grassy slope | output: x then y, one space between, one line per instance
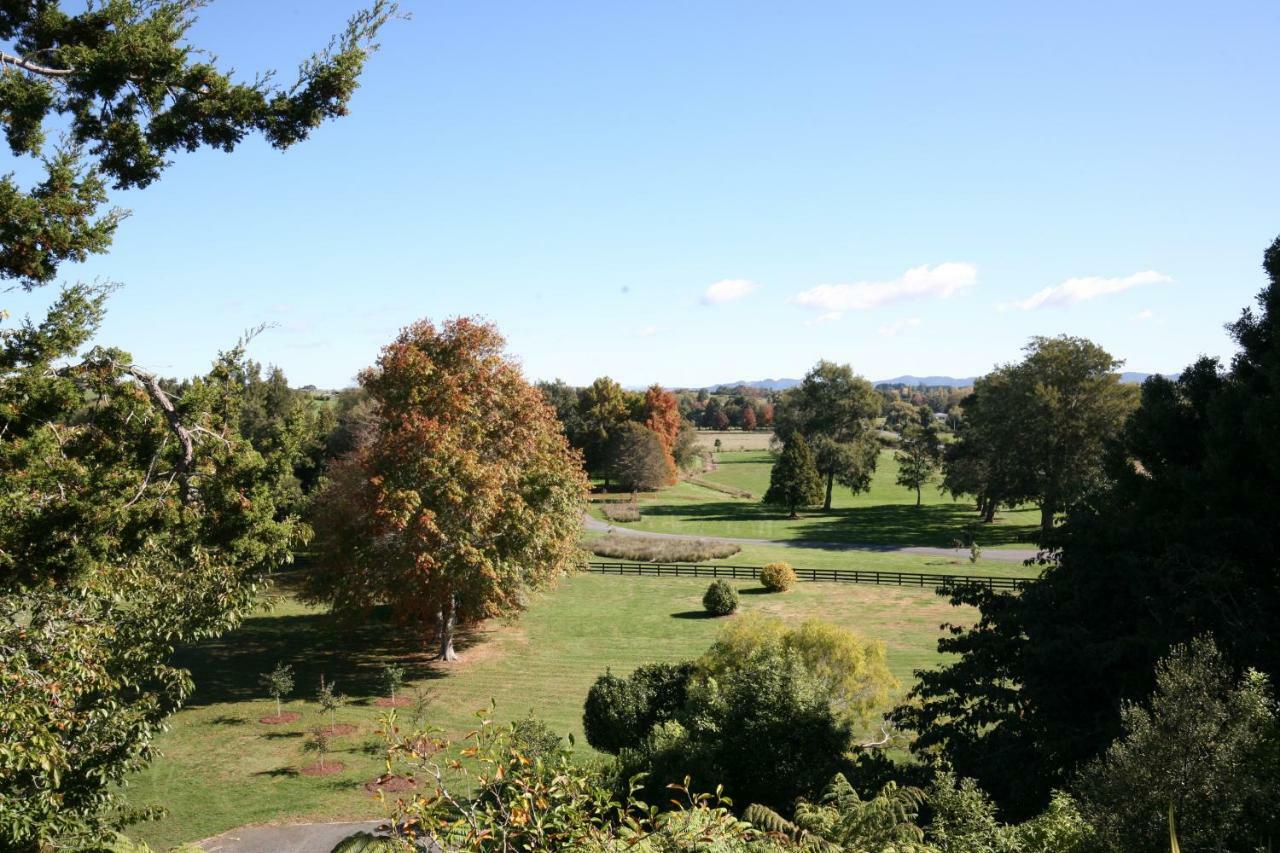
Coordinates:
885 515
222 768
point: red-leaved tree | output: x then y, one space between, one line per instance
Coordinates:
662 415
466 495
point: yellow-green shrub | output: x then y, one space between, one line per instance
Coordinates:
778 577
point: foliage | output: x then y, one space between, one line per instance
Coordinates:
652 549
602 410
794 481
720 599
542 802
851 672
1036 430
319 740
688 452
777 577
131 91
279 683
832 409
637 459
619 712
662 418
764 728
920 452
840 820
393 678
466 497
367 842
134 522
1180 540
328 697
1203 746
964 820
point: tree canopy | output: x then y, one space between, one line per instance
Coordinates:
466 496
132 91
833 409
1180 538
1037 430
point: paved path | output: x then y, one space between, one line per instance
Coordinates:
998 555
294 838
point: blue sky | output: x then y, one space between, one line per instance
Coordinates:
691 193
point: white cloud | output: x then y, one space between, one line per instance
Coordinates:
645 332
1144 314
1075 290
888 330
728 290
922 282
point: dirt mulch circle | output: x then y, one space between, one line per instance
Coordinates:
340 729
277 719
390 783
398 702
329 768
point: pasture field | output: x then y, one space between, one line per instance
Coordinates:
885 515
732 440
221 767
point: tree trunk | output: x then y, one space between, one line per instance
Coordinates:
989 514
917 496
1047 512
447 621
826 504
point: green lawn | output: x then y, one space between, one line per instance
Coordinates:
885 515
222 768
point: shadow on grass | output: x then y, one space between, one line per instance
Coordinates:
692 614
280 735
888 525
228 720
755 590
287 772
350 655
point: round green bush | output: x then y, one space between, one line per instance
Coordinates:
778 577
720 599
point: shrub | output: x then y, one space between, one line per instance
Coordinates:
720 599
652 549
619 712
778 577
621 512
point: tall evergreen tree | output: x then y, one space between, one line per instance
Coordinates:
1181 538
794 481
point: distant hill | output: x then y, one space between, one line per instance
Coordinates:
1128 377
766 384
932 381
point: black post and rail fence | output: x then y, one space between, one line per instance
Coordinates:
878 578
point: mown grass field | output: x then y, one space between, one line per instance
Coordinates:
735 439
222 768
884 515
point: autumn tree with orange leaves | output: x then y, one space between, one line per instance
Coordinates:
465 497
662 416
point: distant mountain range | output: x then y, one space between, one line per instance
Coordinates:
1128 377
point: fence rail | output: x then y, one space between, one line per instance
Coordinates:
702 570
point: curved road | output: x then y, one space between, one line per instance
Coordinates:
1002 555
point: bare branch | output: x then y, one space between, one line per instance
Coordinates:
161 399
34 67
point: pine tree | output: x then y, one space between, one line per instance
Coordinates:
794 481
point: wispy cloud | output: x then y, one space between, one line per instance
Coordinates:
923 282
645 332
1083 289
1144 315
728 290
889 330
